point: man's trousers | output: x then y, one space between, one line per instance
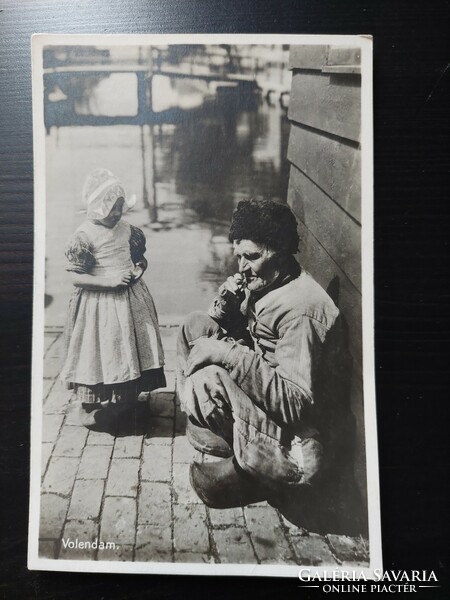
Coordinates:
212 399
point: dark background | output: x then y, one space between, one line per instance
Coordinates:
411 58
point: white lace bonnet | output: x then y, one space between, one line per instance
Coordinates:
100 192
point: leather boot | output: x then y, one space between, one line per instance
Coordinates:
206 441
224 484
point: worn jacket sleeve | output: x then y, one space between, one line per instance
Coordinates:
226 310
284 391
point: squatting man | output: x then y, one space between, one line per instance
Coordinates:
249 370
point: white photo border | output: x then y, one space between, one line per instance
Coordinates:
364 43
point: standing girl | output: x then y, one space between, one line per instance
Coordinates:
113 345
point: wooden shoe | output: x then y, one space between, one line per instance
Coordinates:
223 484
206 441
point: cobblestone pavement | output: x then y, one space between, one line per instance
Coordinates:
134 491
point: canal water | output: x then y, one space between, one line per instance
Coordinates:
188 176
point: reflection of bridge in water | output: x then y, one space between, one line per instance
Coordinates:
66 86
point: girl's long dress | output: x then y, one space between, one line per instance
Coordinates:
112 336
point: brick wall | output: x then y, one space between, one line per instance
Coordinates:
325 194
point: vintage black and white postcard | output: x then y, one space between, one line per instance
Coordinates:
203 393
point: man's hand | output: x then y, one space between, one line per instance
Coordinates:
204 352
233 284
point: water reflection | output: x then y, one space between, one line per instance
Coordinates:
204 165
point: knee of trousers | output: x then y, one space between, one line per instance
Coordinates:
207 392
198 324
210 377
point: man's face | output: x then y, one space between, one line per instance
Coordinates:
258 264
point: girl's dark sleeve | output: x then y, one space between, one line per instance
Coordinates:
137 244
79 254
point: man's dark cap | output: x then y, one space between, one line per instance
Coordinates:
265 222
